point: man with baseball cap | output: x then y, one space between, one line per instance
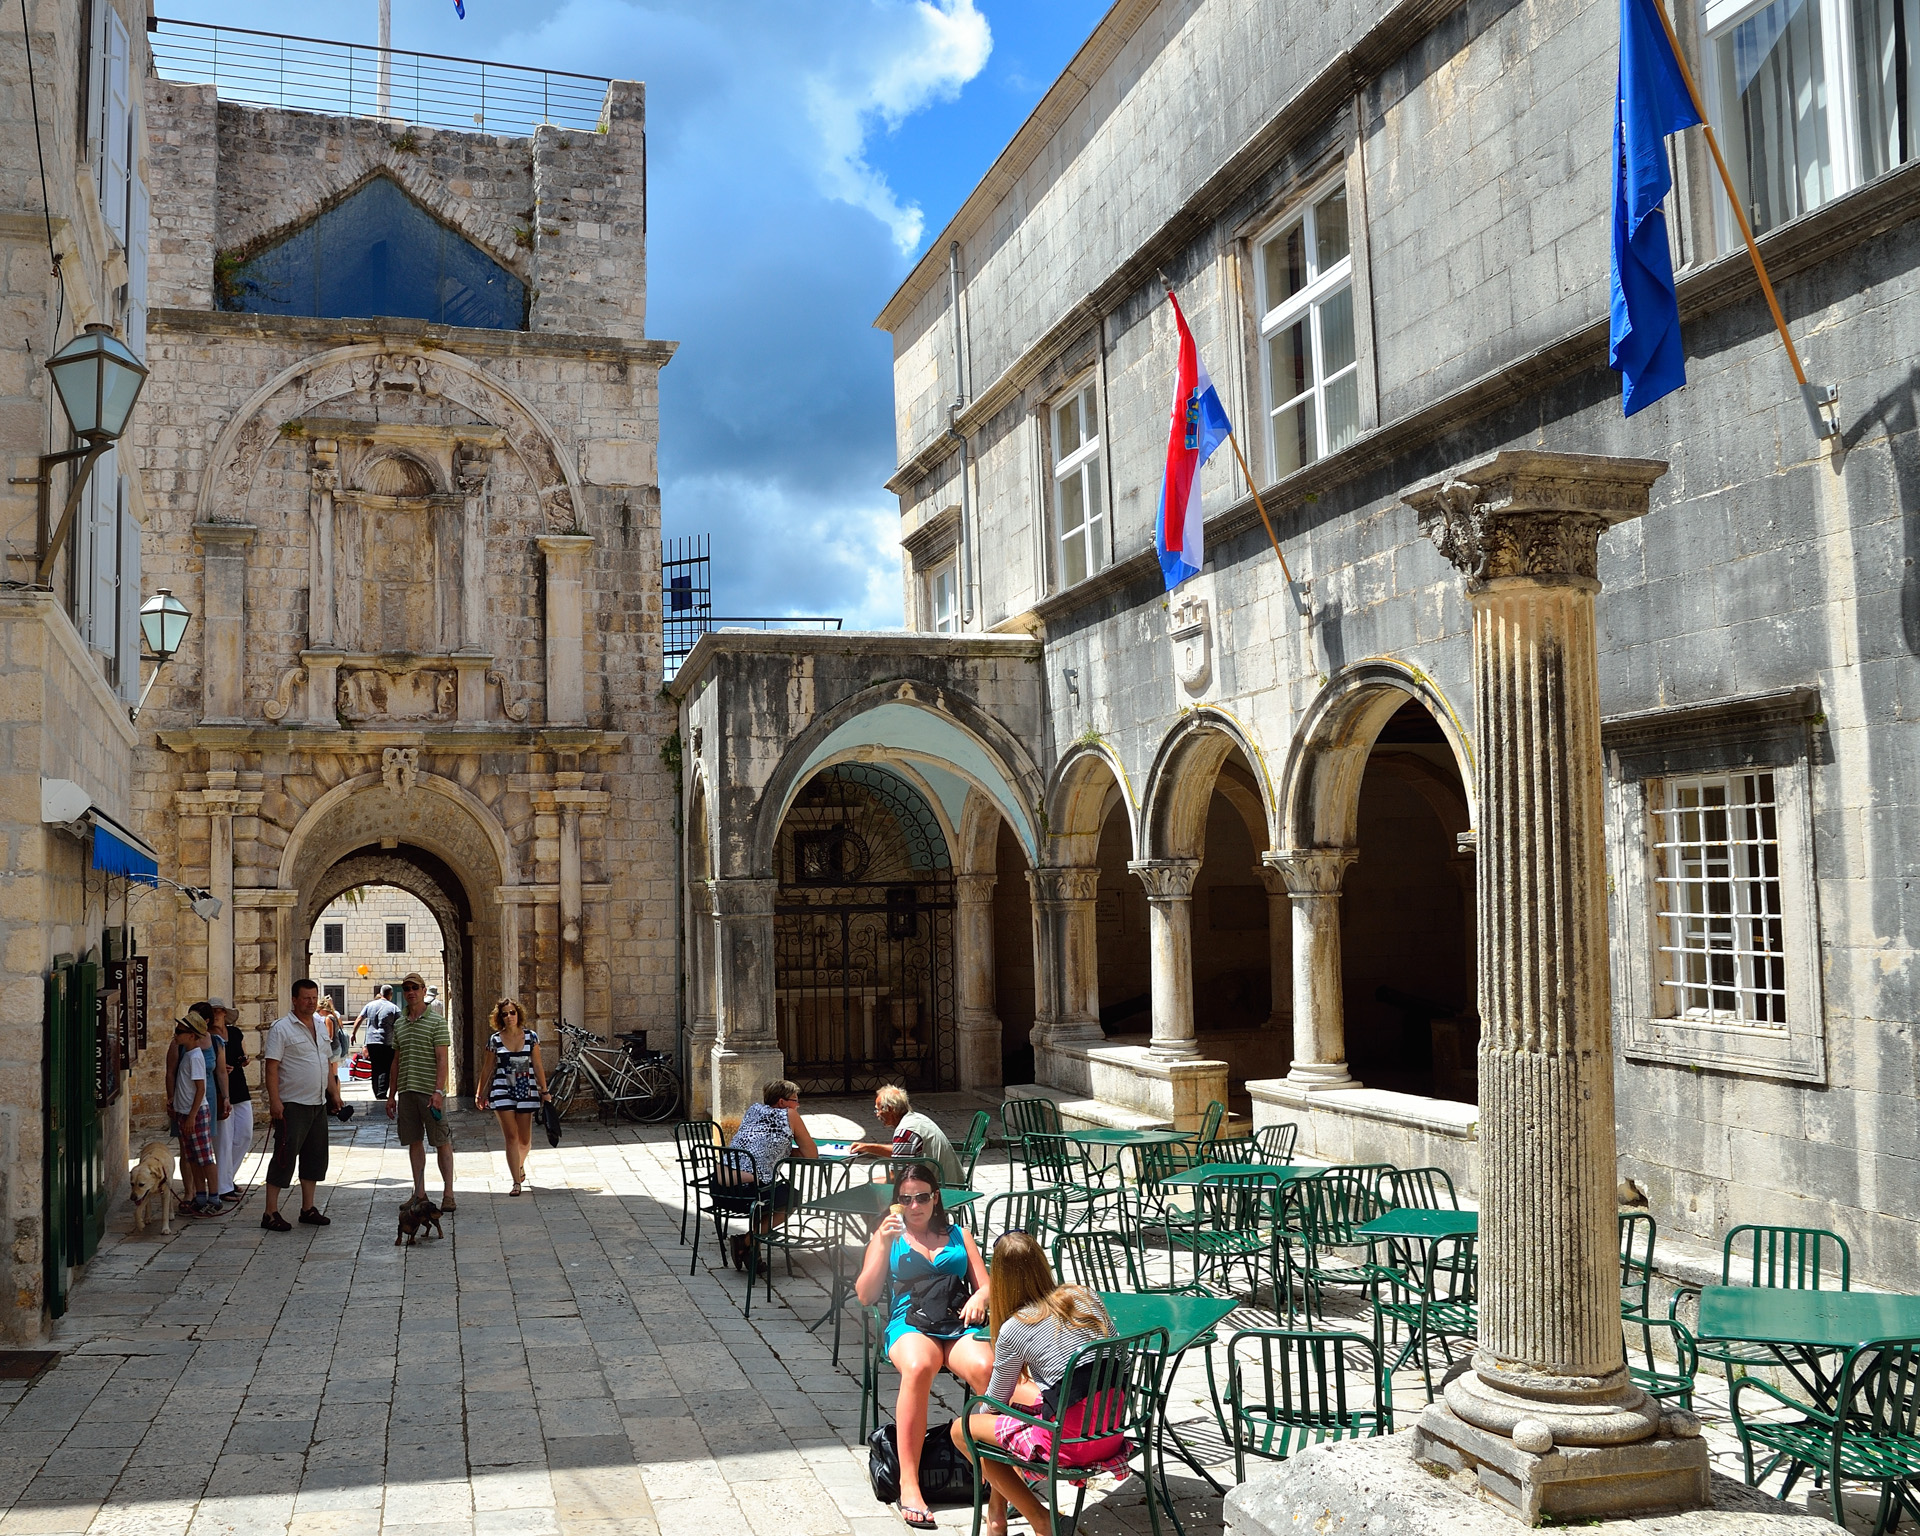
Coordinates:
416 1094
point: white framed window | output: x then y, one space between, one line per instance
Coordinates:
943 599
1309 362
1716 854
1810 98
1079 503
1714 904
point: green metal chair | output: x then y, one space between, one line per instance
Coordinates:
1237 1223
1209 1127
1090 1197
1418 1189
1277 1141
1035 1212
1153 1163
1666 1381
1288 1388
1436 1299
1113 1390
1331 1207
1870 1436
971 1148
687 1135
1777 1258
1101 1261
1636 1263
804 1231
1019 1117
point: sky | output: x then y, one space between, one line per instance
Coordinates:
802 154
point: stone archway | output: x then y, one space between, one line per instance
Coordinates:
429 837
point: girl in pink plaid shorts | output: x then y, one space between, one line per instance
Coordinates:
193 1114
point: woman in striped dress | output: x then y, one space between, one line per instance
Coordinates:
515 1083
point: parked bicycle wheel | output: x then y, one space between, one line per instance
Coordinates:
571 1091
660 1092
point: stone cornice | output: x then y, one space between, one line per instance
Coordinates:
933 538
451 740
889 644
467 340
241 534
1748 730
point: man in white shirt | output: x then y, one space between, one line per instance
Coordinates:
303 1086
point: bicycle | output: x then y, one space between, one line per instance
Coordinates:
629 1081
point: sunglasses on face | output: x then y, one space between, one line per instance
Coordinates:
410 987
922 1199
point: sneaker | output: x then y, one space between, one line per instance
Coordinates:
311 1217
273 1221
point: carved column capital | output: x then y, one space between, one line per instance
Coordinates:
974 890
1310 872
1058 884
1166 879
743 897
1530 514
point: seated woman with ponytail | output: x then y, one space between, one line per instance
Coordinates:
1036 1326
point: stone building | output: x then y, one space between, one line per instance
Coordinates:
73 220
402 454
372 936
1219 842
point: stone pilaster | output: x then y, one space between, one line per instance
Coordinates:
1169 884
223 620
700 992
566 612
325 480
978 1027
1313 877
471 474
1064 899
1547 1407
746 1046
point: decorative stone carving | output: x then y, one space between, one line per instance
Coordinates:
511 705
1191 631
386 692
400 768
281 704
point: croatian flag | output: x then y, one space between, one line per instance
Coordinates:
1199 426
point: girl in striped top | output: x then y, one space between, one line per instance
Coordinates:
1036 1325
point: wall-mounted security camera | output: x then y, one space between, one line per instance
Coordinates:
62 800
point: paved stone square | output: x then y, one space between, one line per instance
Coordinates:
549 1369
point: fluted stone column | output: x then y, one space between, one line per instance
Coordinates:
746 1047
1169 884
978 1028
1547 1416
1064 907
1313 878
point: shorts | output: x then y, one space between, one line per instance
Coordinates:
899 1329
196 1138
417 1121
301 1136
1091 1459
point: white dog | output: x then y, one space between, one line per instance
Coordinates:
152 1180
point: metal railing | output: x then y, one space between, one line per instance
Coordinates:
433 90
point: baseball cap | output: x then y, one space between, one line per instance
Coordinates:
413 978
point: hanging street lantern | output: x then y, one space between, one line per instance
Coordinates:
98 380
163 625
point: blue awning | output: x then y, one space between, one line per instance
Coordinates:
121 853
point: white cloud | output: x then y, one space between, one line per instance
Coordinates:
917 55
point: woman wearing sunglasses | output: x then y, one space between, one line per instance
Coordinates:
931 1270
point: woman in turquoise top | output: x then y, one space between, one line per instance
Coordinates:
932 1271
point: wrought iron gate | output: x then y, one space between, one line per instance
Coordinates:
864 984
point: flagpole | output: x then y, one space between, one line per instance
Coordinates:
1746 230
1242 458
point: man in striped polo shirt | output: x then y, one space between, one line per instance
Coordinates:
417 1091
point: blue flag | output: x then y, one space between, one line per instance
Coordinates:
1652 101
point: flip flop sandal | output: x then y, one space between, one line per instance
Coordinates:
917 1518
446 1206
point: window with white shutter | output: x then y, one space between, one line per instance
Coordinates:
127 638
116 128
137 267
96 556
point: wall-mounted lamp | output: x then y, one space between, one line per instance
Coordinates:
206 906
163 625
98 380
1071 675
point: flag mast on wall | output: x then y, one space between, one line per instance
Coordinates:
1656 96
1198 427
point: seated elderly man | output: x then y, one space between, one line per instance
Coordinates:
914 1135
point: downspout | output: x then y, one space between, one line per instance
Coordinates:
954 432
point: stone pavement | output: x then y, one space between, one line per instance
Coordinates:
550 1369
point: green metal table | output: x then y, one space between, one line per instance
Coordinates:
1188 1320
1800 1327
1113 1136
1285 1172
1421 1225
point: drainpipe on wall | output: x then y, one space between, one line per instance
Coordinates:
954 432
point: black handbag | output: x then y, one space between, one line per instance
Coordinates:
550 1122
946 1476
933 1306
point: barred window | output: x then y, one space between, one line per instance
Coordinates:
1716 847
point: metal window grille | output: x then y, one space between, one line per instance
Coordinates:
1717 883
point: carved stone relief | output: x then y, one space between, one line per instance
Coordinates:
380 693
